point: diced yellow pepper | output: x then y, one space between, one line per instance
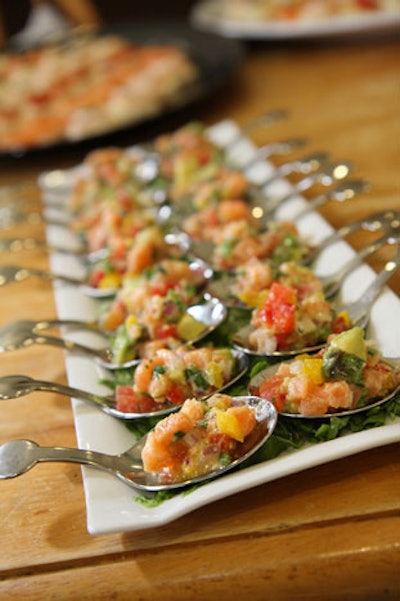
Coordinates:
214 374
345 316
110 280
312 369
228 424
131 320
253 299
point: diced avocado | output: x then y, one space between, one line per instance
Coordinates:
189 328
351 342
123 348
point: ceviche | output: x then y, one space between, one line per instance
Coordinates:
150 310
202 437
290 308
169 377
348 373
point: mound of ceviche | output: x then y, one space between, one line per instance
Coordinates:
202 437
171 376
290 310
347 374
150 310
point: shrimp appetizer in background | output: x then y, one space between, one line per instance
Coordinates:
348 373
202 437
171 376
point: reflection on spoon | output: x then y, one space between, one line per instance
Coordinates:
204 319
18 456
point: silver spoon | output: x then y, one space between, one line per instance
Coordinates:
371 223
13 273
19 244
15 386
268 372
326 176
332 283
18 456
358 312
26 333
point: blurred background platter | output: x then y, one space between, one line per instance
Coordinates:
215 59
214 16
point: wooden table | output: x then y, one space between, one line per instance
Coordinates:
331 532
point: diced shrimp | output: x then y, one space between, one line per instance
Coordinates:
156 456
263 341
145 250
194 409
230 210
174 424
144 373
115 316
377 381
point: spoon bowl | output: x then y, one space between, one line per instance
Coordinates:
18 456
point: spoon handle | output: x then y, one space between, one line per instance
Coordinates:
371 223
70 323
332 283
339 194
105 402
358 311
325 177
18 456
71 346
24 273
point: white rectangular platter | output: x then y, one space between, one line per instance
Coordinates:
111 505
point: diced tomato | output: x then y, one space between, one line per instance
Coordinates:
96 276
167 331
176 395
279 311
130 401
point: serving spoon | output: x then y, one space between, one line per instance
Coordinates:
13 273
25 333
15 386
270 371
18 456
358 312
370 223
